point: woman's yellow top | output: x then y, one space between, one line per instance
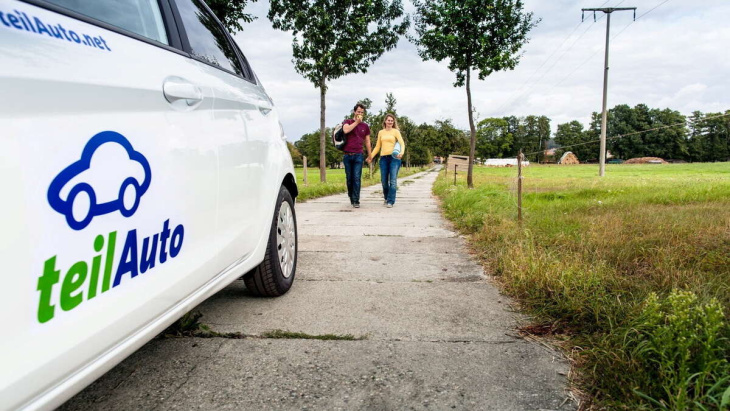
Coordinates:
386 142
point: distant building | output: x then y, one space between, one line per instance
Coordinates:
504 162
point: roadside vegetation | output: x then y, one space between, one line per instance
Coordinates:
631 271
336 182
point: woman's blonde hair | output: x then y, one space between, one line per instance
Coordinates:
395 121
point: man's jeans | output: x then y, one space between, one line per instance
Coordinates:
353 172
389 167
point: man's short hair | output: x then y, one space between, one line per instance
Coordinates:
358 105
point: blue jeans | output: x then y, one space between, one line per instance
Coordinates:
353 173
389 167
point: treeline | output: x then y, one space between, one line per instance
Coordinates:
643 131
647 132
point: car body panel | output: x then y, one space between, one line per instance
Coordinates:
132 269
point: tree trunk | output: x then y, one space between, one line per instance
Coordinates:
473 141
322 150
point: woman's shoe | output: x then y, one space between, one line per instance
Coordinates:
389 205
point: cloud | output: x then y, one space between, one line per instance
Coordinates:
673 57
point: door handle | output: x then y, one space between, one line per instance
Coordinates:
264 106
178 89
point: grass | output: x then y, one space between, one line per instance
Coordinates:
633 268
336 182
280 334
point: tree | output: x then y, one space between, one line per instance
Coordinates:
710 137
481 35
296 156
230 13
643 139
308 146
450 140
333 38
494 139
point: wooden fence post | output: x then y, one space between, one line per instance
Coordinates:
519 187
304 159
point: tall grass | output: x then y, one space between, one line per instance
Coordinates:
336 182
595 256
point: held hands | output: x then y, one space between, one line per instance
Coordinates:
369 159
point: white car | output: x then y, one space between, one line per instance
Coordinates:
143 168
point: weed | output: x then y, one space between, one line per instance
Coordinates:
280 334
189 326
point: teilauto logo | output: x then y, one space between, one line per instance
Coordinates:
110 176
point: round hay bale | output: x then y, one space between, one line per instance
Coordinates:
568 158
646 160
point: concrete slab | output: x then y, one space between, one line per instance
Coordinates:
412 245
377 266
254 374
413 311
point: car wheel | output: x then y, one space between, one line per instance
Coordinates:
81 201
275 275
129 197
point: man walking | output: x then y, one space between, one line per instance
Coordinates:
358 133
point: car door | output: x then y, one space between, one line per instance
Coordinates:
241 129
109 183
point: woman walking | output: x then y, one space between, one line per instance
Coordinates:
391 147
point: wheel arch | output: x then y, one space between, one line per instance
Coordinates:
291 184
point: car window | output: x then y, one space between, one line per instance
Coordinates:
142 17
248 72
208 40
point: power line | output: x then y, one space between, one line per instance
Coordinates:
510 100
596 52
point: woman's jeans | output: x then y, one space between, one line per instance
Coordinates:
389 167
353 174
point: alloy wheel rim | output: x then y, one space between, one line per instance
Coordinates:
286 239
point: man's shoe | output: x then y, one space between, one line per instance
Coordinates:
389 205
356 205
385 202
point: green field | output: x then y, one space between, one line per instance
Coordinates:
630 271
336 182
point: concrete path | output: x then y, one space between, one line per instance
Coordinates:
437 334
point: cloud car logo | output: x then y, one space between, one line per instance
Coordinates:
110 176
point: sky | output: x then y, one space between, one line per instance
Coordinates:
675 55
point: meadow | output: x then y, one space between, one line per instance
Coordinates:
336 182
629 273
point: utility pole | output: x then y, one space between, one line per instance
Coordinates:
608 11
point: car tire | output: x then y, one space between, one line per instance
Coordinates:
275 275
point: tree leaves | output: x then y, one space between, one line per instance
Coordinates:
482 35
336 38
230 13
